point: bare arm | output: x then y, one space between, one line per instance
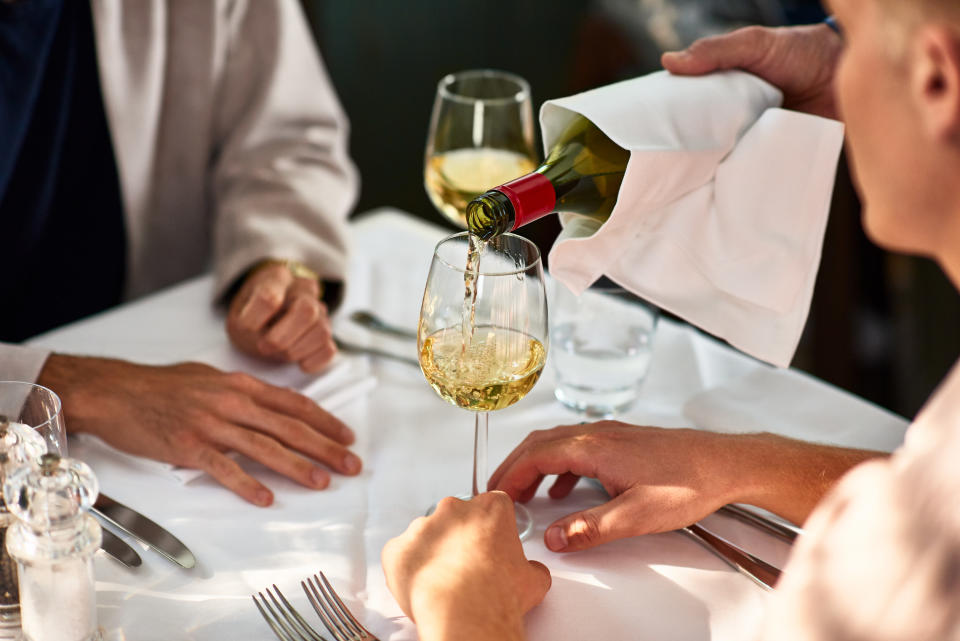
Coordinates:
664 479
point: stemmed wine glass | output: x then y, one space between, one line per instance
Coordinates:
482 336
481 136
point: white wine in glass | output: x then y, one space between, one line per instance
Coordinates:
482 336
481 135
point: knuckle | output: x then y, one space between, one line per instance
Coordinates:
585 529
263 443
308 307
240 380
268 298
271 344
215 463
447 504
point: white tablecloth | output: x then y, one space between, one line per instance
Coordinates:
416 448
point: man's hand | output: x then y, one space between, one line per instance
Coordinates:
278 315
800 61
665 479
460 573
191 414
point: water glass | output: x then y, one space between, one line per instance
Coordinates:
602 347
39 408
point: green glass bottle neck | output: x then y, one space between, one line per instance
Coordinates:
511 205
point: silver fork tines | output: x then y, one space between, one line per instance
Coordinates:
288 625
331 610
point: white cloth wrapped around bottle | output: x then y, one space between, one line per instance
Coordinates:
723 207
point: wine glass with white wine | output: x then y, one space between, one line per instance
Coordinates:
481 135
482 336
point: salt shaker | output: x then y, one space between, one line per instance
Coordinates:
53 544
19 444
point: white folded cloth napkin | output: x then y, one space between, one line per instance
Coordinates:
722 210
795 405
344 381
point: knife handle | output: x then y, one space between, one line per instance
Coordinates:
758 570
779 530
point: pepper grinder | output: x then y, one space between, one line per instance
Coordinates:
19 444
53 543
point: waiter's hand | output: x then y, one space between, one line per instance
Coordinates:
800 61
280 316
192 414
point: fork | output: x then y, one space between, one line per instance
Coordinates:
334 614
285 621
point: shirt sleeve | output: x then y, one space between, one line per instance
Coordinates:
880 559
283 183
18 363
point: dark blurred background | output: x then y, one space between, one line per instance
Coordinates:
885 327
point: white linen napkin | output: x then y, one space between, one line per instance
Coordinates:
793 404
341 383
722 210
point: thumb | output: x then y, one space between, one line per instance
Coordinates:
538 583
740 49
589 528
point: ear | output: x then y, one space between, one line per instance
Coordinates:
935 81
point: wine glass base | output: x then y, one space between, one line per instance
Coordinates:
523 516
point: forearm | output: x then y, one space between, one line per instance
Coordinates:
785 476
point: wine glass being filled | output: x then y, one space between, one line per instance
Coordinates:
481 135
482 336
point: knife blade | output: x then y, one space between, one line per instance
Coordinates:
119 550
143 529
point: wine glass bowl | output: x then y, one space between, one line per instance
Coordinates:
483 335
481 135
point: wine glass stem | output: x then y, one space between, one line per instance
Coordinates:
481 423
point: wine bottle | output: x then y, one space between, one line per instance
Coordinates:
582 174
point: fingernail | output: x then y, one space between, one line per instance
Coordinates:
264 498
556 538
320 478
351 464
347 435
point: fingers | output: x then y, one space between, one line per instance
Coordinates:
302 312
268 450
563 485
279 315
538 584
740 49
289 432
261 297
613 520
558 451
228 473
296 405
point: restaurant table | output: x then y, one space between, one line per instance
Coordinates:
416 449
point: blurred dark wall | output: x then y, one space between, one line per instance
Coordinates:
882 326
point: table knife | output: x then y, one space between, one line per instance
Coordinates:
143 529
755 568
780 530
119 550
